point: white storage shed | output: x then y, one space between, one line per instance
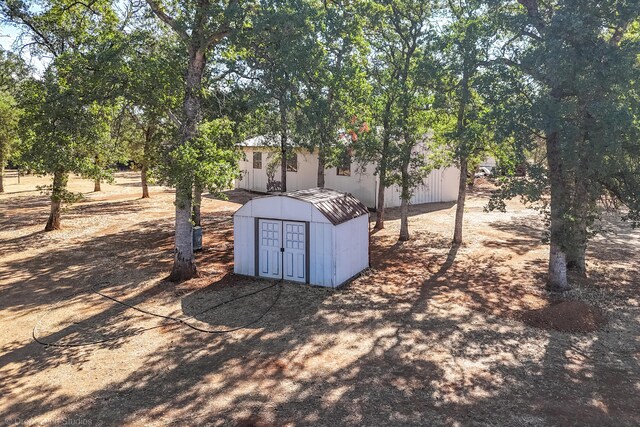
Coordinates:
317 236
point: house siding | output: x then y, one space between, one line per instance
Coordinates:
441 185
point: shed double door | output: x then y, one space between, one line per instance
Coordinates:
282 250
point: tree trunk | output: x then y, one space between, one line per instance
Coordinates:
381 189
465 95
557 254
386 140
577 247
53 222
96 181
143 179
404 203
321 163
283 144
2 160
184 267
407 149
462 194
197 201
145 162
404 221
583 204
557 269
576 259
57 194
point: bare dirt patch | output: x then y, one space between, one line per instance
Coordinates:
429 335
566 316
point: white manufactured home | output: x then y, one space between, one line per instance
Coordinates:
316 236
441 185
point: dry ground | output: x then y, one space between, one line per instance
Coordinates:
428 336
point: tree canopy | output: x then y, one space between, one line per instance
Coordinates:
547 88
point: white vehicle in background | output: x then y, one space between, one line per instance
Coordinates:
483 172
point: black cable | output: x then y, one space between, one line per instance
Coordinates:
187 324
161 316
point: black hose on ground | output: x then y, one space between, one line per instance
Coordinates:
171 319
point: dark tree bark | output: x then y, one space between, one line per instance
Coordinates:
405 195
321 164
96 181
283 143
143 180
408 143
197 201
557 254
583 203
148 134
577 245
1 175
382 176
462 195
382 173
463 154
60 179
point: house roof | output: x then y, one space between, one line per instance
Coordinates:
271 140
263 141
337 207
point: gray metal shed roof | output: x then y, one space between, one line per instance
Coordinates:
337 207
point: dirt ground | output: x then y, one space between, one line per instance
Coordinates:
427 336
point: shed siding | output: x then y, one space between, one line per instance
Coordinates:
321 254
352 248
244 245
281 207
336 252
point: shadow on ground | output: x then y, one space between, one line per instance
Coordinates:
425 337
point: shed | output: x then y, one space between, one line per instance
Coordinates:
317 236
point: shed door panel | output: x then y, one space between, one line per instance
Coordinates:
270 238
294 263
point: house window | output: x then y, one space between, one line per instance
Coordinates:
344 169
257 160
292 162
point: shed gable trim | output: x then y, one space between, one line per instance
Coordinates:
336 207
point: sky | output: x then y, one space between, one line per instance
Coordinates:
8 35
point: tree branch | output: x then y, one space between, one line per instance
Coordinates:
88 6
171 22
173 117
225 27
14 12
215 38
534 14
